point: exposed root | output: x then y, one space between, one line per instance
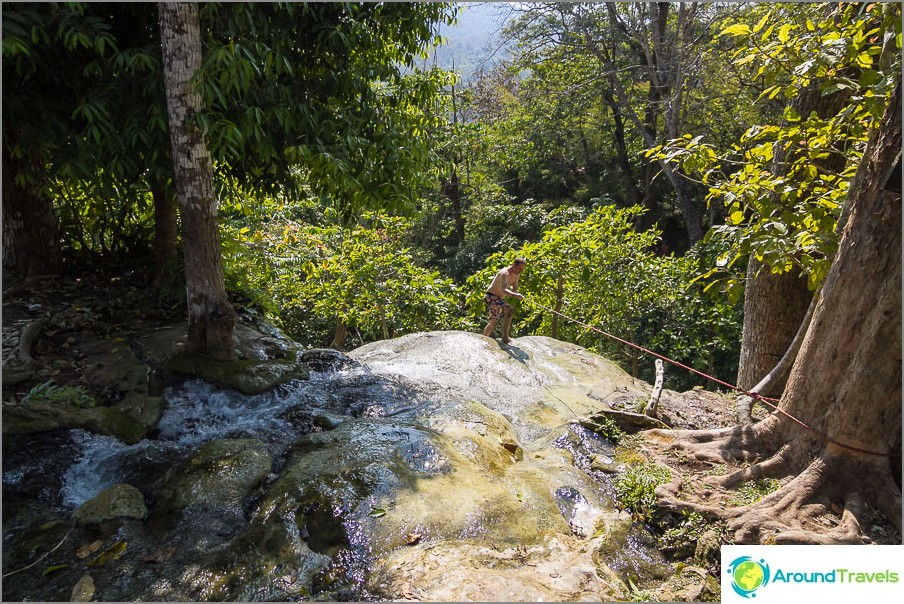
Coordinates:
822 500
774 467
29 338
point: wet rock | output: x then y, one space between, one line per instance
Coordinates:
117 501
83 590
554 570
643 566
690 584
603 463
327 359
708 550
328 421
41 416
221 473
434 475
247 376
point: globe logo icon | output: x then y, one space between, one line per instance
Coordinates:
748 575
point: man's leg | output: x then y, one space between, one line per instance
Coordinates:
488 330
506 324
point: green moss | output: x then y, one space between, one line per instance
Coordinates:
43 417
248 376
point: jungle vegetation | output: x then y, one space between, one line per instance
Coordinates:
628 150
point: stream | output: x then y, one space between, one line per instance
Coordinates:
436 466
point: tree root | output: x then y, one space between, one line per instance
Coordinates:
822 499
29 338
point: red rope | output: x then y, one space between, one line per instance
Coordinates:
766 400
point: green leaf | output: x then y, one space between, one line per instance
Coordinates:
738 29
784 33
54 568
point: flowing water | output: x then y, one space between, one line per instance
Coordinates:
397 453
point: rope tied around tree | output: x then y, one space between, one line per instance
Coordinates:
769 402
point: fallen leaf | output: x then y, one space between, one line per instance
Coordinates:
54 568
111 553
88 549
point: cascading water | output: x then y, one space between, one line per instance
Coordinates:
427 446
197 412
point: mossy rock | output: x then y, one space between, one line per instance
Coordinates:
221 473
248 376
118 501
43 417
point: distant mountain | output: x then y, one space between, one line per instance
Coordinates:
475 41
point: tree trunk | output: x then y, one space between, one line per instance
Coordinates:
340 335
211 318
844 392
166 250
31 243
560 298
774 306
452 190
622 159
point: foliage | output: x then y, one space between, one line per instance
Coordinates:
691 527
604 274
49 392
787 218
325 95
753 490
634 489
609 429
311 275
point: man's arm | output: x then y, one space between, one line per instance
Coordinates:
512 290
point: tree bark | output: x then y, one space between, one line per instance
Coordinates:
211 318
31 243
774 306
166 248
844 392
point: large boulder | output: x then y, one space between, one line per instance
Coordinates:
221 473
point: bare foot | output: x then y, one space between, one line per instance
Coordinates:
506 340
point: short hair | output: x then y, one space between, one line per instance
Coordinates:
519 261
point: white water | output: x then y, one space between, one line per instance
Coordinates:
197 412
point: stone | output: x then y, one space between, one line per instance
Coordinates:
83 590
117 501
248 376
221 473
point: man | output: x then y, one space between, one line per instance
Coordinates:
505 283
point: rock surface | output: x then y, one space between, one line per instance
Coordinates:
436 466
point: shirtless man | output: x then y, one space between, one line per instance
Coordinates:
505 283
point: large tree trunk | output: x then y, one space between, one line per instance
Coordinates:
31 243
844 390
774 306
211 318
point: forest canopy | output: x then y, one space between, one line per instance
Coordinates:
639 155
